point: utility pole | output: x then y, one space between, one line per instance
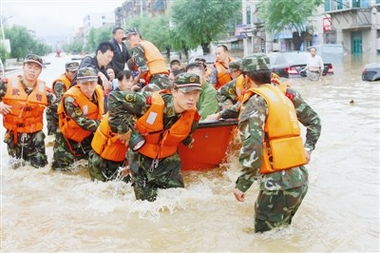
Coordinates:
244 19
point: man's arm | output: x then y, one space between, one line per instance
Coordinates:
209 103
73 110
251 131
308 117
139 58
124 107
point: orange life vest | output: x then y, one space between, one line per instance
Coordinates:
62 78
283 146
26 114
222 75
69 128
154 59
160 142
240 87
107 143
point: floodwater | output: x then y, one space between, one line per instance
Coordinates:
45 211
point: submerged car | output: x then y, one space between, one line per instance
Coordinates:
292 64
371 72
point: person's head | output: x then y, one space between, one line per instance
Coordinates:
133 37
201 61
118 34
104 53
186 91
125 80
110 73
222 53
173 74
32 68
313 51
87 80
234 68
175 64
198 69
257 68
71 69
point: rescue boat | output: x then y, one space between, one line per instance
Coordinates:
211 145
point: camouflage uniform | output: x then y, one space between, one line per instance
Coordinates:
58 88
282 192
159 80
148 174
29 146
207 103
67 151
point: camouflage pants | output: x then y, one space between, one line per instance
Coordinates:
52 121
147 177
161 81
102 169
277 208
30 147
63 157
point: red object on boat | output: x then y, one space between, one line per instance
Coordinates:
211 143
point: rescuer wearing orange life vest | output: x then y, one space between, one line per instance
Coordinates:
272 149
60 86
22 102
151 64
107 158
165 119
220 75
79 113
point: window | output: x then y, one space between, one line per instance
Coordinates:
248 15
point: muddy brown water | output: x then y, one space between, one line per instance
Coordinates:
45 211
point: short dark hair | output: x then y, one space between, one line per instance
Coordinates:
195 65
174 62
109 67
125 73
224 47
176 72
260 76
104 47
116 28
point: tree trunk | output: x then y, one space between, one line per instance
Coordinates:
206 48
186 51
168 52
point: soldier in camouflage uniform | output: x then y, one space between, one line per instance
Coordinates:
282 191
59 87
22 141
66 149
148 173
228 95
157 81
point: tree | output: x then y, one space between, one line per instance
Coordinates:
199 22
293 14
96 36
3 52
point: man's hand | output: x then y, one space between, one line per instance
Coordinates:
4 108
211 117
190 145
239 195
124 138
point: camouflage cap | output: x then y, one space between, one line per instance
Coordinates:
87 74
131 31
235 65
72 66
34 58
256 62
187 82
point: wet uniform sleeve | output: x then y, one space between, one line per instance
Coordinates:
251 131
124 107
213 76
227 92
73 110
232 112
308 117
139 57
59 89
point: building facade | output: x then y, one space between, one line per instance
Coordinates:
353 23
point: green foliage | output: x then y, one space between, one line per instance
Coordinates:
3 52
76 46
96 36
23 42
199 22
154 29
281 14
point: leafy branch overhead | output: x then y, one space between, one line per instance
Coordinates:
281 14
